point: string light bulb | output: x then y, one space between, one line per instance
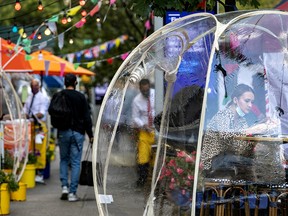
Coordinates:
64 20
83 19
24 34
17 5
40 6
39 36
71 41
47 31
98 19
69 19
82 2
14 28
83 13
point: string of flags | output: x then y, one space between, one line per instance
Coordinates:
95 51
110 60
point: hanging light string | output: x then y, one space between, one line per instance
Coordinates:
5 29
68 29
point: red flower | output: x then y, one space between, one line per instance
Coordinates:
179 171
190 177
171 186
190 159
172 163
181 154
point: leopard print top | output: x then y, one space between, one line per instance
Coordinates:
219 137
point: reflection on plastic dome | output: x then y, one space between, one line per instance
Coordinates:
197 113
14 129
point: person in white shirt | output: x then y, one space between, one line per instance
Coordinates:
36 107
143 114
37 103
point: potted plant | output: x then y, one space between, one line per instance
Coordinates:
177 177
8 161
32 158
8 184
10 179
28 176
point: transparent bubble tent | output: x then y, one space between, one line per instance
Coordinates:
220 123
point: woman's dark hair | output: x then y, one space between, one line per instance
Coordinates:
240 90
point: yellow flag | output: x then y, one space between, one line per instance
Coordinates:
73 10
90 64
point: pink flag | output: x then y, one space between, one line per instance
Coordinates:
47 65
79 24
147 25
124 56
95 9
62 67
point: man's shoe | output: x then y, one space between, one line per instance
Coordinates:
39 179
72 197
65 192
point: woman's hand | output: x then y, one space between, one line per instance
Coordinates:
263 127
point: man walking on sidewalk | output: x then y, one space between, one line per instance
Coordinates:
71 139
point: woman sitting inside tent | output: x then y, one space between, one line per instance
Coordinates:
223 156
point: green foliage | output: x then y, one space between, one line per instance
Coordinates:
13 185
49 154
32 158
10 180
8 160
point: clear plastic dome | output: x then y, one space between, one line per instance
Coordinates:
219 118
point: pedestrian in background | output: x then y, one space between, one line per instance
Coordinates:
143 113
35 108
71 140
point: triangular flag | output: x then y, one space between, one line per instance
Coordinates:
62 67
124 56
42 45
52 26
28 57
79 24
70 57
78 56
76 65
95 9
94 1
110 60
117 42
112 2
47 65
27 49
73 10
90 64
148 25
61 40
54 18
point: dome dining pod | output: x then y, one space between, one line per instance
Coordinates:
14 128
220 120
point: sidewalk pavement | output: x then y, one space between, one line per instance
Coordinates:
44 199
